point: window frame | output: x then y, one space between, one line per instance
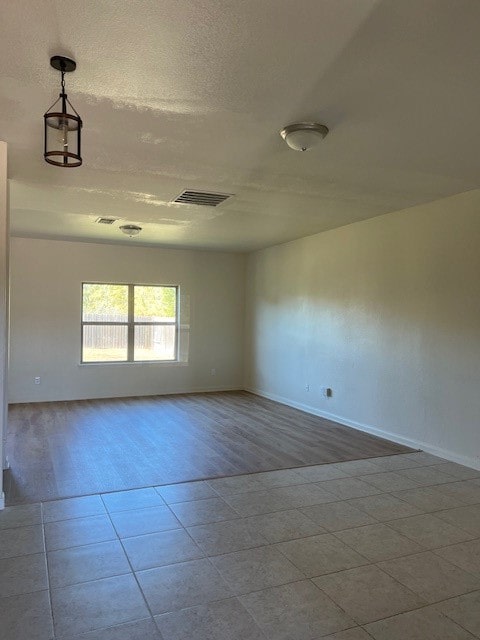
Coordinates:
131 324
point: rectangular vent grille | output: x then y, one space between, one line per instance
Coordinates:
105 220
202 198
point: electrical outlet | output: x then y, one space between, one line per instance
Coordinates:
37 379
307 387
327 392
213 372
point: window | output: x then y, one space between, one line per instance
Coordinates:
129 323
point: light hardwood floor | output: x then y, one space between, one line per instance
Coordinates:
62 449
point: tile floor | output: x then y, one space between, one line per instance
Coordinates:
386 548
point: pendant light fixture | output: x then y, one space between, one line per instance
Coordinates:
62 129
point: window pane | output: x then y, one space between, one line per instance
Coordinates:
105 303
104 343
154 342
155 304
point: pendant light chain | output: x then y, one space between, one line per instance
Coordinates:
63 95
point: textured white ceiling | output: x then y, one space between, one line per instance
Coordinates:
181 94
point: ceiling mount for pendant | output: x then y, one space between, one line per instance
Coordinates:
302 136
62 142
61 63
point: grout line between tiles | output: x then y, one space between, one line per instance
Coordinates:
452 619
133 573
310 580
426 606
205 557
474 573
435 601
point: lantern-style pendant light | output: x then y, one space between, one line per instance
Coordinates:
62 129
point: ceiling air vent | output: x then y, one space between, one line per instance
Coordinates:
202 198
105 220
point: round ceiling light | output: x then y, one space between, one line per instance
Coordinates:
130 230
302 136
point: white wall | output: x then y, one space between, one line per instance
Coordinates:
387 313
46 279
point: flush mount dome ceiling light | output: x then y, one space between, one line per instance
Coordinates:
62 129
302 136
130 229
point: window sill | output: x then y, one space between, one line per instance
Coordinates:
163 363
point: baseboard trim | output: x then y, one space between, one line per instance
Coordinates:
387 435
175 392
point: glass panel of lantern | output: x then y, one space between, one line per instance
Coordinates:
62 139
